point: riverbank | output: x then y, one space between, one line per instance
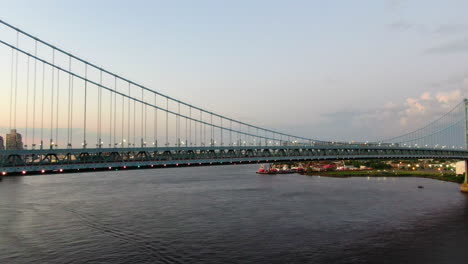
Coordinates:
449 177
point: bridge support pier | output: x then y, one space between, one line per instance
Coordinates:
464 186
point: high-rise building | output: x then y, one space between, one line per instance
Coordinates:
14 141
2 147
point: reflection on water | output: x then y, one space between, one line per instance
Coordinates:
229 215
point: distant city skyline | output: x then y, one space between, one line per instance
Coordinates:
313 69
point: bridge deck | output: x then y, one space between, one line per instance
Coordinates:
79 159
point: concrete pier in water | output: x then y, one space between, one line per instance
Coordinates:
464 186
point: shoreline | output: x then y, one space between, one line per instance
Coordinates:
429 175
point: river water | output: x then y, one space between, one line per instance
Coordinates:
229 215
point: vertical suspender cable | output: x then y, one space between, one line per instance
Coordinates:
222 128
42 105
57 114
71 108
240 134
178 125
85 105
190 122
11 86
111 116
211 131
259 140
167 122
69 103
146 118
34 97
195 124
16 79
203 126
27 103
115 111
141 118
134 123
201 129
155 125
99 110
129 111
52 104
123 114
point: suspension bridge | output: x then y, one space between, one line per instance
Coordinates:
67 114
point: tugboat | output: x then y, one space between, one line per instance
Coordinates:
266 169
270 169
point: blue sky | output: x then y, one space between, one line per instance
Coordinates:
322 69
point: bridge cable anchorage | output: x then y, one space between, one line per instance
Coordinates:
124 79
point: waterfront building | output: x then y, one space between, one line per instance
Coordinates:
460 167
14 141
2 146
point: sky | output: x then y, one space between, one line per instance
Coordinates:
332 70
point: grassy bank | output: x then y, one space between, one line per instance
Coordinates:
450 177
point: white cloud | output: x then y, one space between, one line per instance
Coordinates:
448 97
393 119
426 96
